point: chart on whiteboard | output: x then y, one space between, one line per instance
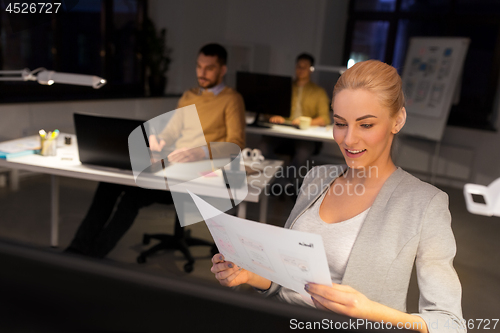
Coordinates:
432 69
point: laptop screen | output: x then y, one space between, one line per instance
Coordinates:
103 141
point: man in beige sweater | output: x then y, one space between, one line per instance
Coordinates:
221 114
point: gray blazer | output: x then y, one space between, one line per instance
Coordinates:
409 222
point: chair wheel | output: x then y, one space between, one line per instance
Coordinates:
141 259
146 239
188 268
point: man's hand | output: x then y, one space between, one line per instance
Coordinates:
154 144
183 155
277 119
318 121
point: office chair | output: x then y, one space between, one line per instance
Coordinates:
181 240
483 200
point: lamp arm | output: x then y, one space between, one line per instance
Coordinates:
334 69
17 75
44 76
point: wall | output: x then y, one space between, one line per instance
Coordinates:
18 120
189 24
485 164
280 29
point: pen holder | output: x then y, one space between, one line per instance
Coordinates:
48 148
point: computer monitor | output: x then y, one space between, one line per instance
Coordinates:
268 94
45 290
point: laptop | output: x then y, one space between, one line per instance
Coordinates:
103 141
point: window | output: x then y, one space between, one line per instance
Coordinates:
381 29
94 37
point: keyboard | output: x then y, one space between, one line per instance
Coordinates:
287 123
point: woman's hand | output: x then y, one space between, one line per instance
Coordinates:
340 299
350 302
228 274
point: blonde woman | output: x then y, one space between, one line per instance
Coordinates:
376 220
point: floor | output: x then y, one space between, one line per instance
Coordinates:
25 218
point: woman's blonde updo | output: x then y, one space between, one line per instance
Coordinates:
377 77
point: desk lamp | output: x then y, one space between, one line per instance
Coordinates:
44 76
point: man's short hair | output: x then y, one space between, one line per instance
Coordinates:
215 50
305 56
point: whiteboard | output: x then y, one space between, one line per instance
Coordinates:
433 68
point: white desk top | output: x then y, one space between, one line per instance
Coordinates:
314 133
67 163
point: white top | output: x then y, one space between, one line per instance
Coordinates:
338 239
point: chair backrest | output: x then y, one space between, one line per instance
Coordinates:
490 195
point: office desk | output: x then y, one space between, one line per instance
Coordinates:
314 133
67 164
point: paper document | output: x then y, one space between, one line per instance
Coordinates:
18 145
196 172
290 258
